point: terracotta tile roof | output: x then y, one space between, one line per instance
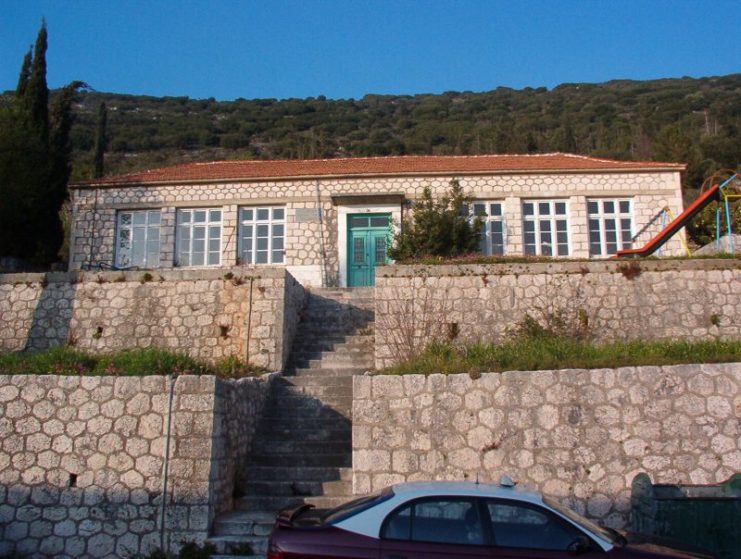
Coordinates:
231 171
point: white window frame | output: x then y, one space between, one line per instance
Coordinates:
247 246
602 216
127 232
488 218
553 219
184 245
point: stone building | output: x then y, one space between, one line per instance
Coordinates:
329 222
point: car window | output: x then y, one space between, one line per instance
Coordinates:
452 521
351 508
522 526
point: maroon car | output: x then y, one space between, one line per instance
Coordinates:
430 520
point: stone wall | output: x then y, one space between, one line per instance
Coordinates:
82 460
688 299
313 247
209 314
577 435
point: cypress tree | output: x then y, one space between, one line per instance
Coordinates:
36 95
101 142
20 90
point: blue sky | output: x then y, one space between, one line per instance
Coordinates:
228 49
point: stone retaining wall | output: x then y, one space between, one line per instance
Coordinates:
209 314
688 299
82 460
577 435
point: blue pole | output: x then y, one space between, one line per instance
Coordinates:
728 226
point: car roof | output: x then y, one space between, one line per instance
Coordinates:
416 489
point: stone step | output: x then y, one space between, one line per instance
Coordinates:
295 372
337 413
243 523
295 422
317 343
316 380
241 546
276 504
299 488
340 460
302 401
334 362
317 448
335 433
283 473
319 391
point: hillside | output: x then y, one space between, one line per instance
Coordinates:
690 120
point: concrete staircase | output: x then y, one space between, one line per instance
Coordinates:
302 452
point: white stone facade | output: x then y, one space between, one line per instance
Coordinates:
108 467
314 249
580 436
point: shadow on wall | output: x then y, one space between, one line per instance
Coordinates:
52 318
54 520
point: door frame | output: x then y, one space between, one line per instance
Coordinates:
342 234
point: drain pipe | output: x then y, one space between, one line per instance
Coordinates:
320 213
249 326
166 465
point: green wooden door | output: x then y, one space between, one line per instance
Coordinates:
368 236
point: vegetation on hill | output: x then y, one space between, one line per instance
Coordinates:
697 121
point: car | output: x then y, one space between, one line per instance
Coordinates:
439 519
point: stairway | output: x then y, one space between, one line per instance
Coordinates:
302 452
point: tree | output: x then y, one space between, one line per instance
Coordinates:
34 162
438 227
101 142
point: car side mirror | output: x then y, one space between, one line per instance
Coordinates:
580 545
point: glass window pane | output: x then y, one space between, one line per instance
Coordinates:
278 243
529 226
595 249
380 250
262 243
545 225
545 250
140 218
529 249
544 208
359 222
399 526
277 257
479 209
609 225
277 230
379 222
609 206
184 216
199 216
247 231
214 232
625 224
262 230
261 257
495 209
528 208
562 238
278 213
563 250
592 207
214 215
358 255
247 214
125 218
561 225
213 258
530 238
214 245
247 256
199 232
560 208
625 206
263 214
199 245
197 259
451 522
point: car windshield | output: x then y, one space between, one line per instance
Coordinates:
355 506
604 533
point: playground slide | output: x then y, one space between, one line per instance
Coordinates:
677 223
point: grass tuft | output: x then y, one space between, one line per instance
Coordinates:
534 354
135 362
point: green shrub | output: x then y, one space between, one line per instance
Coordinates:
438 227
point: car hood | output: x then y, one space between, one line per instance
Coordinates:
664 546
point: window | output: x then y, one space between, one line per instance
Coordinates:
262 235
516 525
610 226
545 227
450 521
199 237
138 239
493 231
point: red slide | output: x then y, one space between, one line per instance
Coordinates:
677 223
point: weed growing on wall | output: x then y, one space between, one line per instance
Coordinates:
138 362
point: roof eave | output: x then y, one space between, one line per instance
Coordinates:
678 167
